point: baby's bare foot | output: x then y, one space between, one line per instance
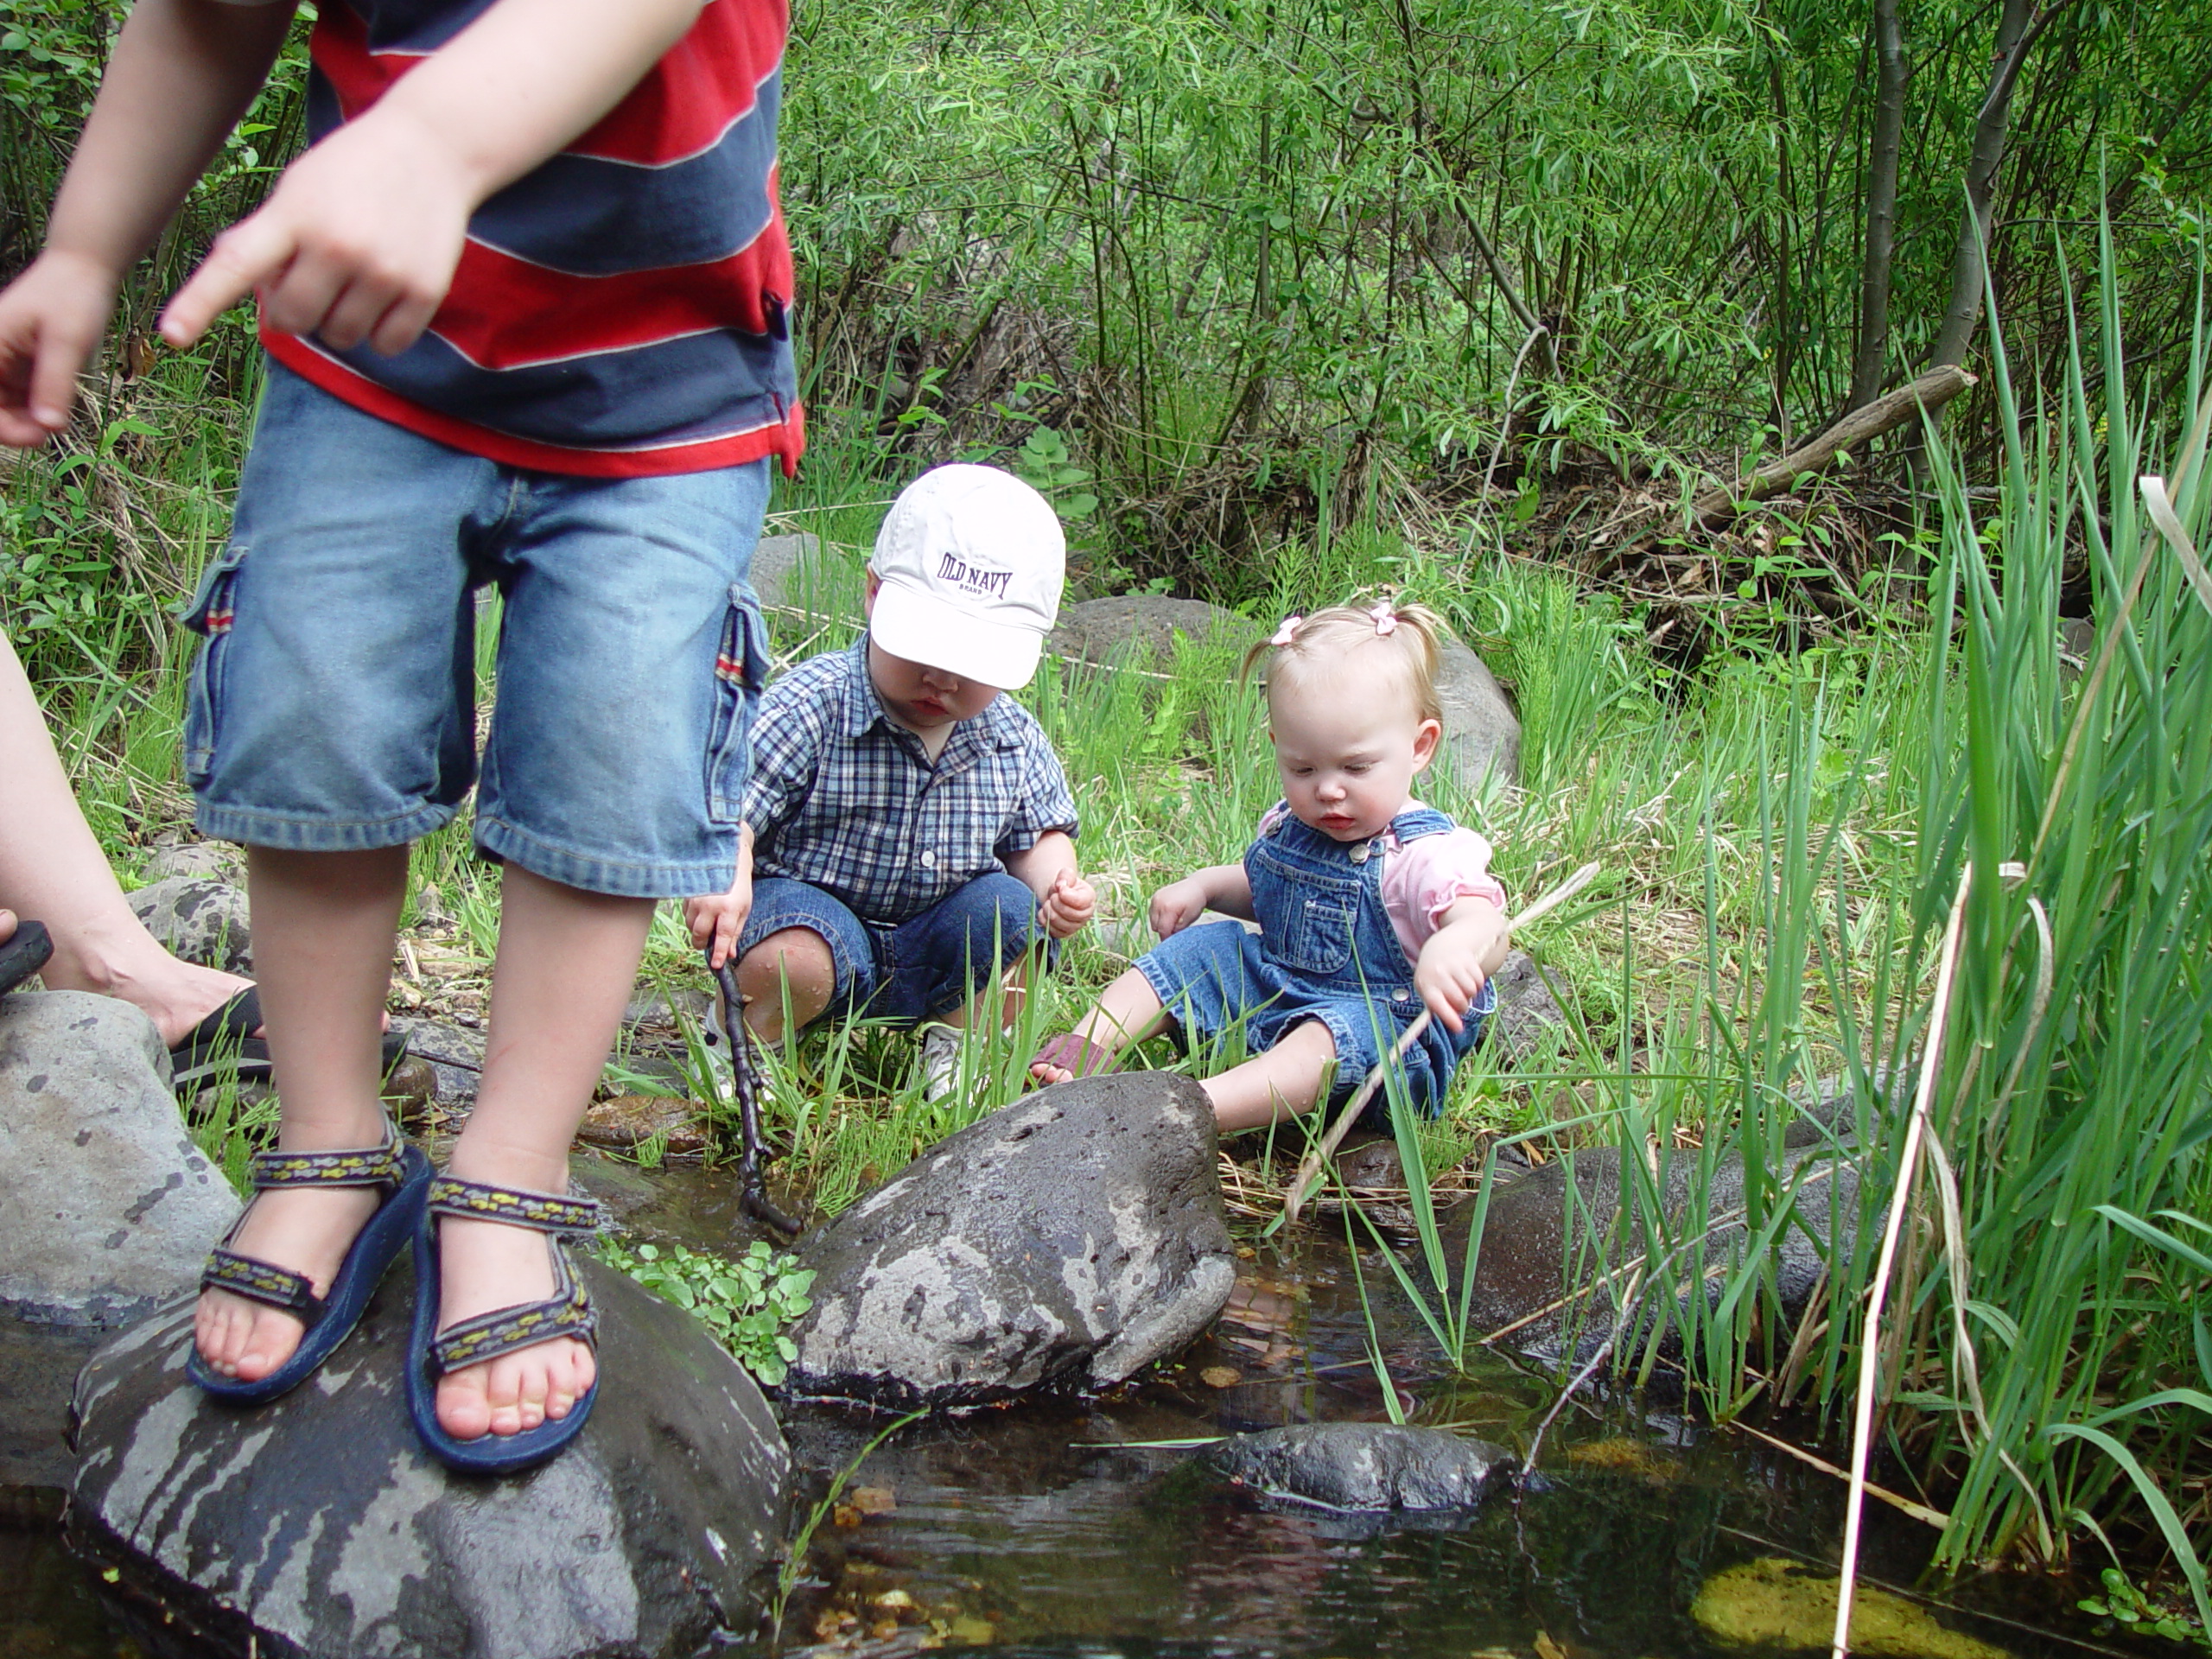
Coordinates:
486 1266
306 1230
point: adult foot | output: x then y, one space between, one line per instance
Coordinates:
307 1229
486 1266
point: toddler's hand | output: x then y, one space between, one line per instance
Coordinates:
717 920
1449 973
51 319
1175 905
358 241
1068 904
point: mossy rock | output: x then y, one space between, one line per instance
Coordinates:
1779 1606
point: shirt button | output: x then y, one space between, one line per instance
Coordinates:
929 858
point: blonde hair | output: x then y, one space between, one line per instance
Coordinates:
1400 640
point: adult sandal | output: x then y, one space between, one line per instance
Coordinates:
566 1312
1073 1052
404 1172
224 1042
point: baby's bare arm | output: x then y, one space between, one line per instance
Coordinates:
1225 887
1459 956
717 920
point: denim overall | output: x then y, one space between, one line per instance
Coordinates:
1326 951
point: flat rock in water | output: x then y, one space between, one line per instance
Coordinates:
1774 1606
1362 1465
316 1524
630 1120
199 918
1073 1236
107 1209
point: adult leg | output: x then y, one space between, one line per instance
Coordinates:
322 939
53 870
567 963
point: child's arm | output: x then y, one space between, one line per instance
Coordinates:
1459 956
1065 902
717 920
1225 887
182 73
359 238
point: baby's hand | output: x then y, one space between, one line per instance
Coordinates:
1068 904
717 920
1175 905
1449 974
51 318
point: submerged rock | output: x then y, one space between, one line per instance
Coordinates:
1779 1605
1362 1465
107 1209
1073 1236
199 918
316 1524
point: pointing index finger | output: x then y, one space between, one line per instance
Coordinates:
244 255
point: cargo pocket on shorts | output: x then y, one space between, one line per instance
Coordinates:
209 616
741 671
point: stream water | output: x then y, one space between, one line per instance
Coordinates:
1068 1528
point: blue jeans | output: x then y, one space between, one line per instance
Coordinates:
906 973
332 706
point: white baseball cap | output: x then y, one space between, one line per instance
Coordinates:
971 562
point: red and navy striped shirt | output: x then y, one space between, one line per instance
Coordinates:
619 312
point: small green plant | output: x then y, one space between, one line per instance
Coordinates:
746 1303
2136 1610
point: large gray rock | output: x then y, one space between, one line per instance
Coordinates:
1074 1236
794 572
1482 734
1142 624
1362 1465
217 861
317 1524
199 920
454 1054
107 1207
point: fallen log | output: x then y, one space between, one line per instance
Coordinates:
1717 507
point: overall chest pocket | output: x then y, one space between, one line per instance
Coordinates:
1307 919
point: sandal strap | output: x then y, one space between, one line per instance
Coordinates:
1072 1051
566 1312
378 1165
263 1281
547 1212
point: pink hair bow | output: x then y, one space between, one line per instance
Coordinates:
1285 634
1386 618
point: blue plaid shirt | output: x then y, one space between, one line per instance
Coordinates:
841 799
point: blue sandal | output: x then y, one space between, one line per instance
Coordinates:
566 1312
405 1175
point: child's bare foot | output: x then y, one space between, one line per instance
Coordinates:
306 1230
487 1266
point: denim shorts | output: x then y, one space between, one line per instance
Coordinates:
906 972
1219 977
331 705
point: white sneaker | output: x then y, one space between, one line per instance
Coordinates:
940 1060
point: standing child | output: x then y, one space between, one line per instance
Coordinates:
524 297
907 826
1370 905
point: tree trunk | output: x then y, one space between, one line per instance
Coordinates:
1867 367
2016 29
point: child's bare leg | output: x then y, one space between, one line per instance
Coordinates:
568 960
795 957
1127 1012
322 932
996 1003
1281 1083
53 870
